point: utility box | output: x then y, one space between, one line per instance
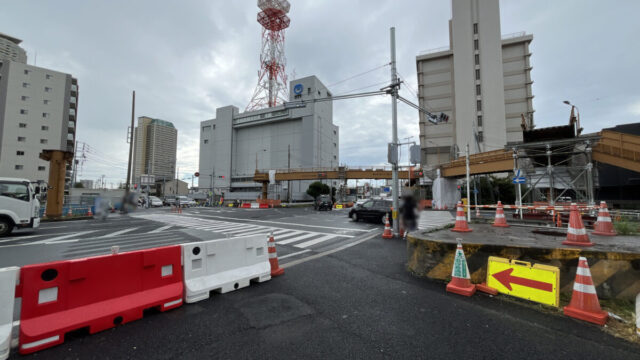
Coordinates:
392 154
414 154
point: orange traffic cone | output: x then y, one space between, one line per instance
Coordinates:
604 226
576 233
559 221
89 213
70 212
584 301
500 220
276 270
461 221
387 234
460 280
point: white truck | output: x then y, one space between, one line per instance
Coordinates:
19 205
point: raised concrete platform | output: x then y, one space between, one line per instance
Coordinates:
614 261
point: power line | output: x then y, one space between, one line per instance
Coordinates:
358 75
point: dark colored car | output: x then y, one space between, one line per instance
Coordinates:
372 210
323 202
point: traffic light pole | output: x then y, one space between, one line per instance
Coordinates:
394 125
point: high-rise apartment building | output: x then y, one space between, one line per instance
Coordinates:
10 49
482 81
37 112
155 147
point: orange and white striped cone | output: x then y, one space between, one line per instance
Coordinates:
559 221
70 212
461 221
460 279
387 234
500 220
477 211
276 270
89 213
604 226
584 301
576 233
44 212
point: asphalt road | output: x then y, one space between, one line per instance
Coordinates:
349 298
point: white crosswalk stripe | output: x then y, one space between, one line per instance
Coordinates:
160 229
430 220
297 238
123 231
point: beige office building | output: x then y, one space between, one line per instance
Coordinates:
10 49
37 112
155 147
481 81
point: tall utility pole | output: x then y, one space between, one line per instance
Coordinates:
133 111
468 184
394 125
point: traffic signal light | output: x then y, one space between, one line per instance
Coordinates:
443 117
135 186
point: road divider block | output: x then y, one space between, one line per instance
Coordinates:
97 293
224 265
8 277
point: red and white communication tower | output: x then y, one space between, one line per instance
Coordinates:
272 80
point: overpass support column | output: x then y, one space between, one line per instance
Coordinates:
58 161
265 190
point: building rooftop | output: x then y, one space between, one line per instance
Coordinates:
161 122
10 38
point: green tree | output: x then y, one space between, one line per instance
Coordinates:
318 188
78 185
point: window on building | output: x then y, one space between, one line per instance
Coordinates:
206 141
475 28
47 89
22 125
46 102
21 139
335 132
25 85
45 115
335 145
41 168
43 141
45 128
479 120
308 91
20 153
480 136
206 128
24 98
476 45
335 157
24 111
477 74
26 72
19 167
477 59
48 76
478 89
479 105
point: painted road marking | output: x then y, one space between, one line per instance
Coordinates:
284 223
315 241
329 252
160 229
293 254
54 239
114 234
297 238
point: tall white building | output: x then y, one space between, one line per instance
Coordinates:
37 112
234 144
155 147
10 49
482 81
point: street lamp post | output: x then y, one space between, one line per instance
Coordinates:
577 125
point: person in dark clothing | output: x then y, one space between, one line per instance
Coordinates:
408 213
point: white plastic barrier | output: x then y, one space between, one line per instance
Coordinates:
8 277
255 205
224 265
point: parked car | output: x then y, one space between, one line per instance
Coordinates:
185 201
372 210
154 201
323 202
169 200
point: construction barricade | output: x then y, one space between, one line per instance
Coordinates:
8 277
224 265
97 293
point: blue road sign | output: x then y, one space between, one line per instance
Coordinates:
386 189
519 180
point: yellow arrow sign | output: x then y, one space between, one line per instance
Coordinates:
537 283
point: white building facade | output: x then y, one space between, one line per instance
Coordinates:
37 112
482 81
10 49
234 144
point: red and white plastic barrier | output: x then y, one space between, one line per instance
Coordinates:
224 265
8 277
96 292
535 207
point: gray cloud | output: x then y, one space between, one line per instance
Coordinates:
187 58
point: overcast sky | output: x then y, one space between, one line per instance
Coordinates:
186 58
